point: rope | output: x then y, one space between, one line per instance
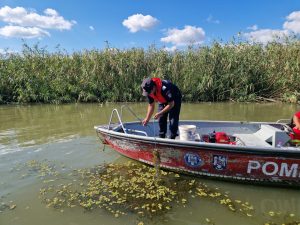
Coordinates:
138 118
156 156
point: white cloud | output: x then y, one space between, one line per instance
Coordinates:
139 22
254 27
186 36
51 12
22 17
171 49
266 35
210 19
91 28
23 32
293 22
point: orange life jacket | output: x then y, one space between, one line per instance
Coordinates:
157 96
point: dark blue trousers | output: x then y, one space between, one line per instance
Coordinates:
173 120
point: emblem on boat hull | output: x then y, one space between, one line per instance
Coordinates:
219 162
192 159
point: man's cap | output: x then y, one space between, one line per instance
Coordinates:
147 86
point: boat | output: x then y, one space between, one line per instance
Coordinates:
252 152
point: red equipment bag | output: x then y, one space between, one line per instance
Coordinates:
222 137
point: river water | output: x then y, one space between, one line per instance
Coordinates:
63 136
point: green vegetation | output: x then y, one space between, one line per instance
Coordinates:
123 189
220 72
149 194
135 189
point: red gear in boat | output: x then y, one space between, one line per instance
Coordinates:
222 138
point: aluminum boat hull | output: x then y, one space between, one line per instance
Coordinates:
253 164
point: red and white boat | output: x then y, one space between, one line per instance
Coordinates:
255 152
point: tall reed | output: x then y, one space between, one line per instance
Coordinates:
219 72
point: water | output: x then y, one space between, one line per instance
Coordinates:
63 136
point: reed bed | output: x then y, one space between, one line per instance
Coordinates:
219 72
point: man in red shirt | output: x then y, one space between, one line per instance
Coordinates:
168 97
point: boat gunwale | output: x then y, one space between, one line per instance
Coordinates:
258 150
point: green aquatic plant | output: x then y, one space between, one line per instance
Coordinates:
121 189
279 218
134 188
216 195
43 168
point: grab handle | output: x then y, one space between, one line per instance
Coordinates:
115 111
119 118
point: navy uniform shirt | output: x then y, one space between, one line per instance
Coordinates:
169 91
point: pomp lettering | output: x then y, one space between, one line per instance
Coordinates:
270 168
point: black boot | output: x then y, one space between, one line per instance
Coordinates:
162 135
172 136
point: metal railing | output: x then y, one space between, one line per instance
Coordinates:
283 121
119 116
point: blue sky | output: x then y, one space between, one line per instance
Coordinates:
77 25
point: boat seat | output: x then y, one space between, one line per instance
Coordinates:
251 140
272 135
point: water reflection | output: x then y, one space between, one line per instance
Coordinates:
265 198
291 204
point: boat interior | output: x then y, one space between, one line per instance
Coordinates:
259 134
239 133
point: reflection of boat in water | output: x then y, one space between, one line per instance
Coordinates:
243 151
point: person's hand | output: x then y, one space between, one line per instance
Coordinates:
157 115
145 122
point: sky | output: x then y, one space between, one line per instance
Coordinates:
170 24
